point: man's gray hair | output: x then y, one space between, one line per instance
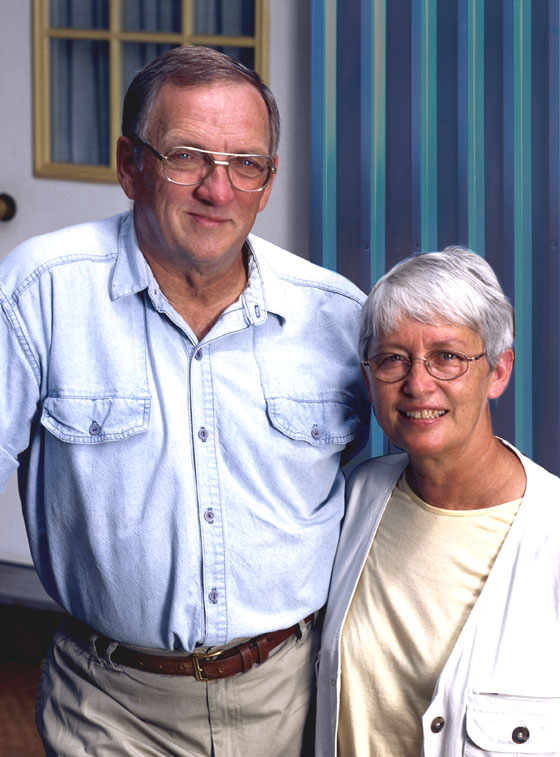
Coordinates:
190 66
455 287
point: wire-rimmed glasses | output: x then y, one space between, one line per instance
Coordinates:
191 165
444 365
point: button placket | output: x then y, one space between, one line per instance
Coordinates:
212 545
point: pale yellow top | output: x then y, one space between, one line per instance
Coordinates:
424 572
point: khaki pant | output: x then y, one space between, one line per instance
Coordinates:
90 706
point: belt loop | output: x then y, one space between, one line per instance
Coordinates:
101 648
92 647
246 657
108 652
262 648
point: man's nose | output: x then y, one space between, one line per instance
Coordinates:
216 188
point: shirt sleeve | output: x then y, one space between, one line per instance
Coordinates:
364 414
19 391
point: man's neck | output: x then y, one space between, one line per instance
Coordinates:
200 295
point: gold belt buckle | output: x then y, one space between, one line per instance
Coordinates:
197 657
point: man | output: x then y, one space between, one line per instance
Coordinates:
441 629
163 388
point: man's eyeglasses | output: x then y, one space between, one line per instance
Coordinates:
391 367
191 165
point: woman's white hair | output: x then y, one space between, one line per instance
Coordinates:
455 287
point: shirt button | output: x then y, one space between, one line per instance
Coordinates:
209 516
95 428
520 734
198 355
213 596
437 724
315 433
202 434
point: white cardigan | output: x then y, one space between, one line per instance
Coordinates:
499 691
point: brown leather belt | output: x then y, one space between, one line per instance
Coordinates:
221 663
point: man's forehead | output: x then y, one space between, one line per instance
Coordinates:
232 108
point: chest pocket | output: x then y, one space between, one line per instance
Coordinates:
317 422
500 725
92 420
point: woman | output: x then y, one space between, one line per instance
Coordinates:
442 634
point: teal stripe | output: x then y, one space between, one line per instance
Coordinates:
522 223
378 145
373 89
323 132
330 188
476 208
428 124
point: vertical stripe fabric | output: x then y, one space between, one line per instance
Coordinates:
436 122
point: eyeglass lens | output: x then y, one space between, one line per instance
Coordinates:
248 173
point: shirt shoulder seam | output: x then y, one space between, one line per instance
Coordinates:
36 274
324 286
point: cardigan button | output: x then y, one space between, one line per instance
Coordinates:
437 724
520 735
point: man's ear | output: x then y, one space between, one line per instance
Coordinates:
265 194
127 170
501 374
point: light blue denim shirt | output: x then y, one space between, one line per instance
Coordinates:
176 492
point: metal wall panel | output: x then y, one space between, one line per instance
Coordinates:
437 122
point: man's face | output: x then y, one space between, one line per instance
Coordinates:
428 417
205 224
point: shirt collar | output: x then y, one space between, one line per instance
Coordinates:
131 270
264 288
264 292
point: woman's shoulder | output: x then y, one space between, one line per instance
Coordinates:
381 468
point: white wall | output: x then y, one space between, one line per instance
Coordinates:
47 204
42 204
285 220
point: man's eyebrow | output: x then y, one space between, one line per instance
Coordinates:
200 146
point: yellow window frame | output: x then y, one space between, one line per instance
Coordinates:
42 35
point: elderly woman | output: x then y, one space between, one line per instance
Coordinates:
442 634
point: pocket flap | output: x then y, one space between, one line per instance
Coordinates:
314 421
91 420
514 725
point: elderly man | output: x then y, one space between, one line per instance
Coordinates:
441 633
163 388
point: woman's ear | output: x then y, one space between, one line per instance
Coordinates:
501 374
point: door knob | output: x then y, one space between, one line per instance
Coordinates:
7 207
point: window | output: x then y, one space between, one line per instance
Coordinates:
86 52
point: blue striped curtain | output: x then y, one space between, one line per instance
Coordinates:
437 122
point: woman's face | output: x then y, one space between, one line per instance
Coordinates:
429 417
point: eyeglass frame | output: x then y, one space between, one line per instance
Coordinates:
426 361
141 143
